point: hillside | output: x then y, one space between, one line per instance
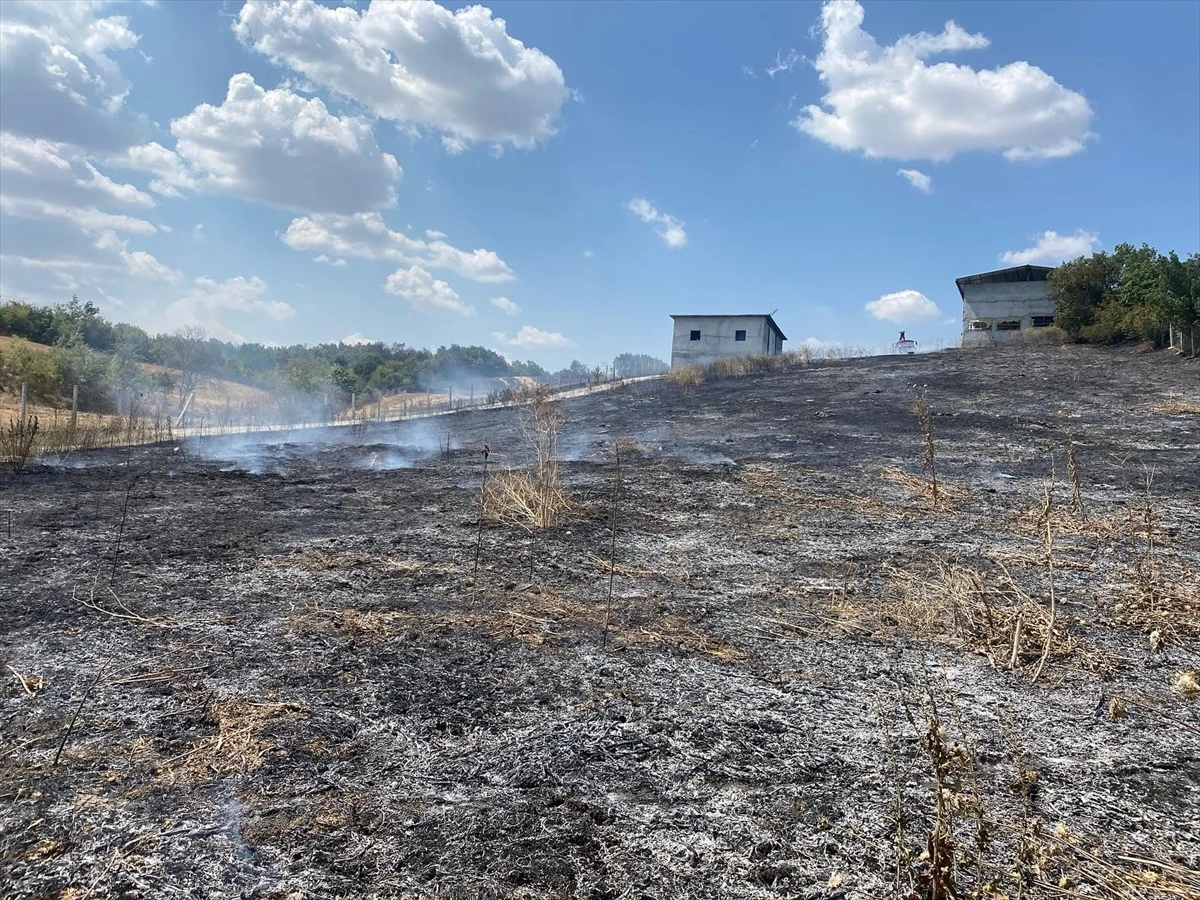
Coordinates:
806 675
214 396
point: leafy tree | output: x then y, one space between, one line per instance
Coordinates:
305 375
342 378
1130 294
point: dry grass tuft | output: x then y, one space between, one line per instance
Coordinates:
518 498
1185 684
938 494
627 446
532 497
1072 866
1163 599
984 612
686 376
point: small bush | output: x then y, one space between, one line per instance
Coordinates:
16 442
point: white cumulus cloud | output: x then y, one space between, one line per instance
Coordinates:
669 228
60 77
279 148
529 336
917 179
506 306
59 172
890 102
366 236
458 73
1051 248
904 306
357 339
424 292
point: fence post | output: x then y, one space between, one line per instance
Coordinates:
22 416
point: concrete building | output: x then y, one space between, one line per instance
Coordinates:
700 340
1005 305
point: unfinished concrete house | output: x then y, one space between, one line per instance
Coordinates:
701 340
1005 305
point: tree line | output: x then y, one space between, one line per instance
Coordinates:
1130 294
104 358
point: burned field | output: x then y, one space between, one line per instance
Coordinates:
302 669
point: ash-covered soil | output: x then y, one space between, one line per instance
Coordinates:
249 669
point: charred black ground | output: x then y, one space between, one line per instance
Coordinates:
294 689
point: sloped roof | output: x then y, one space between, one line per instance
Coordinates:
1016 273
767 316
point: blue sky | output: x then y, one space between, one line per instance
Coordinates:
553 179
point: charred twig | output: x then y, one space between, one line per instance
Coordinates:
75 717
126 613
121 528
612 549
479 529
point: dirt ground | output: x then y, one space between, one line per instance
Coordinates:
251 669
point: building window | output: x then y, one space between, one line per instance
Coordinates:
739 335
980 325
1043 321
1009 325
696 335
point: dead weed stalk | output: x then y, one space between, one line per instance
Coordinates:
1073 477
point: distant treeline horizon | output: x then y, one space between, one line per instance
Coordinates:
105 358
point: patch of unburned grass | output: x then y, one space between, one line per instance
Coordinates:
241 744
686 376
535 617
1177 405
796 491
314 560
